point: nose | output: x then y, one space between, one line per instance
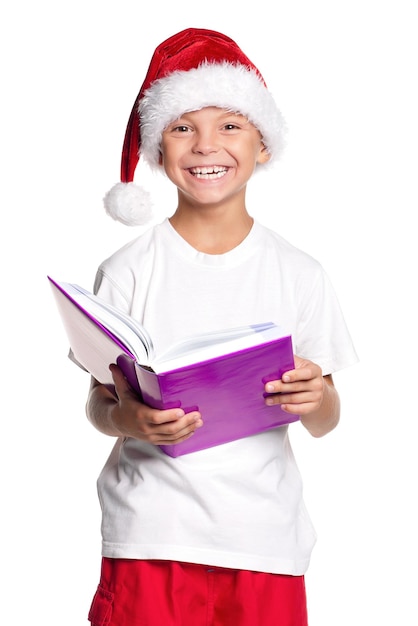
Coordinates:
205 142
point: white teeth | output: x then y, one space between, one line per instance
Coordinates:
215 171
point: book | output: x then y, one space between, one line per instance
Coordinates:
221 374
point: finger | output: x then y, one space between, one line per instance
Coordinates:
164 441
300 398
173 427
303 373
280 387
300 409
177 435
119 379
170 421
294 379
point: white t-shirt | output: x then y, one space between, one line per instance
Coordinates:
238 505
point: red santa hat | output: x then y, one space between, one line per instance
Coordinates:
193 69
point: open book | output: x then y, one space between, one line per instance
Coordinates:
221 374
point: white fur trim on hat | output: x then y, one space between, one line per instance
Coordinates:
225 85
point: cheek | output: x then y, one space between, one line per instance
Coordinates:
168 154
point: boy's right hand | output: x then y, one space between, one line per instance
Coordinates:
134 419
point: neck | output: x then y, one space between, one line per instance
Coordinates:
212 231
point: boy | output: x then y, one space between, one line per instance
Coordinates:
218 537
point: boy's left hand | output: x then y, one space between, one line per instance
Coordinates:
300 391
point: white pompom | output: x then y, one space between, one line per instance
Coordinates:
129 204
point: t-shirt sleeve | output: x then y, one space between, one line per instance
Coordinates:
109 290
322 335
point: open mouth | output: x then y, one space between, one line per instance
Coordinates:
209 172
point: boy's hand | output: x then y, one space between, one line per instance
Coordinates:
132 418
300 391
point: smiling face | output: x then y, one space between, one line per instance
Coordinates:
210 155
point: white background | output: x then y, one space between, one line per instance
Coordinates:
344 75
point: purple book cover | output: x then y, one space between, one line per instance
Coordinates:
227 390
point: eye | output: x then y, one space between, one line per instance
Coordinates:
181 128
230 126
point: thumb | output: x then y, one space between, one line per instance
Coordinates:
300 362
121 384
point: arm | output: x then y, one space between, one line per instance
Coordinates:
125 416
305 392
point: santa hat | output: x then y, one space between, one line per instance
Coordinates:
193 69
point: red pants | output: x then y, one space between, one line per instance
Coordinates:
166 593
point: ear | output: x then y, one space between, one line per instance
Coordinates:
263 155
